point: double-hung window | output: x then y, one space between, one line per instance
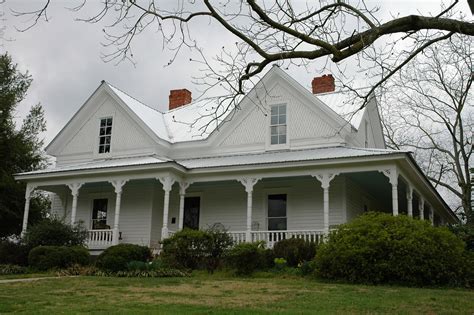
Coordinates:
278 124
105 135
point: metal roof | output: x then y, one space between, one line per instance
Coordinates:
283 156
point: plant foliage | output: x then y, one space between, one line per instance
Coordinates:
295 251
55 257
116 258
54 232
195 249
380 248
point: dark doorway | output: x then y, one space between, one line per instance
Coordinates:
191 212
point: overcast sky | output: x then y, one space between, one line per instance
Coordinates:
64 58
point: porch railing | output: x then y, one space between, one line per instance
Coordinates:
99 239
271 237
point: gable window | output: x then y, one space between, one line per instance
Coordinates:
277 212
278 124
99 214
105 135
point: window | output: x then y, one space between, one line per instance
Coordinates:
99 214
278 124
105 135
277 212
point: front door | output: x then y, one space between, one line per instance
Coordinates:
191 212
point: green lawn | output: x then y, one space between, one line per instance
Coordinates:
220 294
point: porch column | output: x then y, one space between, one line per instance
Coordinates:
325 180
431 215
167 183
75 193
392 175
118 185
248 184
183 185
421 208
29 190
410 200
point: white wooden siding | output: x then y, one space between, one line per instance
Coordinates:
126 135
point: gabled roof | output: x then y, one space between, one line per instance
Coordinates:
346 104
186 123
193 121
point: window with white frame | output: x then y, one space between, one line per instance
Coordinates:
277 212
278 124
105 135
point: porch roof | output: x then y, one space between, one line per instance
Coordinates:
268 157
283 156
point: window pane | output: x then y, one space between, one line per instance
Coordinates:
274 120
108 131
101 140
274 140
274 130
282 130
282 119
282 139
107 140
109 122
276 224
102 122
282 109
99 214
107 149
277 205
274 110
101 149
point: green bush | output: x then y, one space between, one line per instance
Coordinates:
465 233
13 253
294 251
380 248
116 258
54 257
54 232
196 249
12 269
245 258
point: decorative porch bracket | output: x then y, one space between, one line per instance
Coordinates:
75 194
167 182
248 183
183 185
29 190
118 185
410 200
325 180
392 175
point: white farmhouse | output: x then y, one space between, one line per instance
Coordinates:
285 163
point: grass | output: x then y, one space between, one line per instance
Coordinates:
223 294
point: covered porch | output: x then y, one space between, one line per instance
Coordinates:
265 203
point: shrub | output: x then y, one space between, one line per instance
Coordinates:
465 233
379 248
294 251
13 253
246 258
54 232
52 257
194 249
12 269
116 258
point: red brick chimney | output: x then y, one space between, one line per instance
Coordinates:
179 98
323 84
